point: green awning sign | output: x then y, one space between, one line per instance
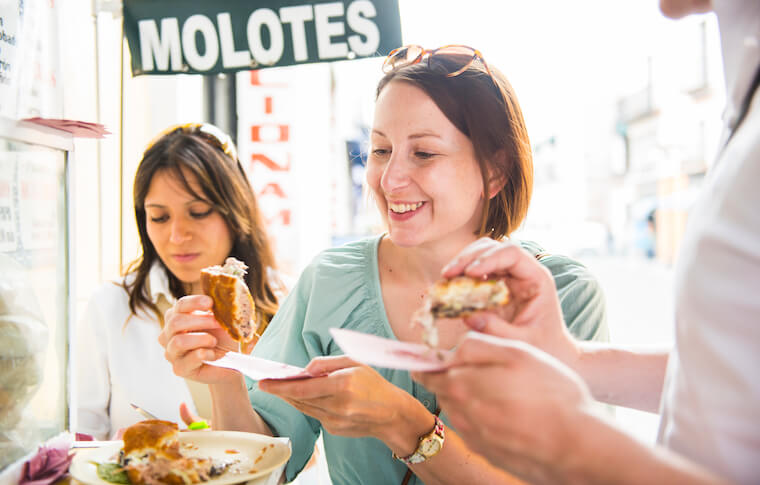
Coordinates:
202 37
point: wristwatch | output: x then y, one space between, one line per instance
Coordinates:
429 445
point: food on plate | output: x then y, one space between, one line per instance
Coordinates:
112 473
456 298
152 456
153 452
233 305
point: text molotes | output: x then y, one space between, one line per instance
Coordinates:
260 37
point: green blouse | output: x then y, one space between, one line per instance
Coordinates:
341 288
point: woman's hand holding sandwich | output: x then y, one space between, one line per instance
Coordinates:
192 335
533 314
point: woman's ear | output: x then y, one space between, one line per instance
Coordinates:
496 178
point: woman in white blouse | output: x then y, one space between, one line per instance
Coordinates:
194 207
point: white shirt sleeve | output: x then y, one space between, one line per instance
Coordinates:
91 373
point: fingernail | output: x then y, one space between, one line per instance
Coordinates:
448 266
477 262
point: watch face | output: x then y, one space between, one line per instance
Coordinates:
430 446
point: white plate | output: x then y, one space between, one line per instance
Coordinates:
254 455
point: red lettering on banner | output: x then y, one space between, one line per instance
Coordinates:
270 158
269 163
273 188
283 216
255 80
283 132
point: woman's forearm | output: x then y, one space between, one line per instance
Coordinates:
454 464
623 377
233 410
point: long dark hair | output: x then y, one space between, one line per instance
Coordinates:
485 109
224 184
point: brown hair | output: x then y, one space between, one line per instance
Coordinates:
486 110
224 184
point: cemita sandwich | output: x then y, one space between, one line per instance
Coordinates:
233 305
457 298
462 296
152 456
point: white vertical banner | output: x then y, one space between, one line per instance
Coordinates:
265 117
283 127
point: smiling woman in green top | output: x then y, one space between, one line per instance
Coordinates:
449 162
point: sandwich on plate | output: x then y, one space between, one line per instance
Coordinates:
152 456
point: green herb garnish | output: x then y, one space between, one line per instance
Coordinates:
113 472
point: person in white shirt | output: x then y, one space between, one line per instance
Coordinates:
537 421
194 207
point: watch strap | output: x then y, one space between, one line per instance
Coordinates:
418 456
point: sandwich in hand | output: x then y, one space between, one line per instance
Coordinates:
233 305
461 296
151 456
457 298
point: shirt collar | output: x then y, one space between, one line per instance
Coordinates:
158 283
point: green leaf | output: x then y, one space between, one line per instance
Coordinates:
113 472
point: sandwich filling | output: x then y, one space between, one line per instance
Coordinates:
232 266
462 295
457 298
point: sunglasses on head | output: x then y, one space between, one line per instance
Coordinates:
452 60
208 132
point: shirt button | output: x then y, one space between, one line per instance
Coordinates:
426 403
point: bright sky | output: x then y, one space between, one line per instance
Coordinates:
556 53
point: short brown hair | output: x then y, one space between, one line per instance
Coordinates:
486 110
224 184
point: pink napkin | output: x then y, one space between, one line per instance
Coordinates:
81 129
392 354
257 368
364 348
48 465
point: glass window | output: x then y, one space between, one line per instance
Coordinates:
33 297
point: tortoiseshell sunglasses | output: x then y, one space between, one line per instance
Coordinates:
461 55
